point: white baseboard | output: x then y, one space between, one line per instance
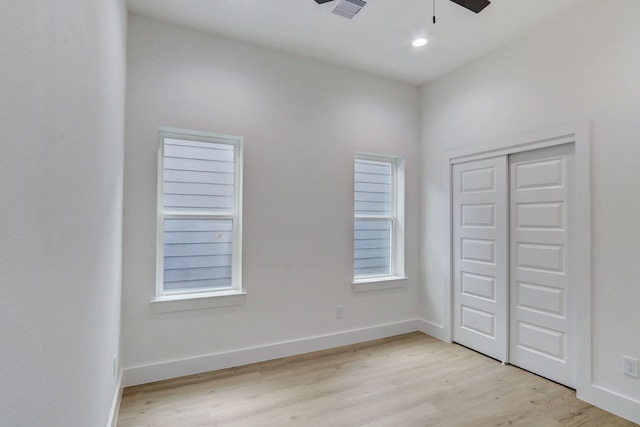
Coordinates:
117 398
611 401
196 365
433 329
598 396
595 395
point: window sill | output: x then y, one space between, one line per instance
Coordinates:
170 304
379 283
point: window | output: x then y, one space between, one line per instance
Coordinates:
199 215
378 218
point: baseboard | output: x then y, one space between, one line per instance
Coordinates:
433 329
595 395
117 398
598 396
196 365
611 401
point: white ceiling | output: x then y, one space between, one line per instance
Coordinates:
377 40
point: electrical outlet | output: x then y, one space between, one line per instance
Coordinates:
630 366
115 366
339 312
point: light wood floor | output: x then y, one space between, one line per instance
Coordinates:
409 380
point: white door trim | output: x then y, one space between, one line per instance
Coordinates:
580 134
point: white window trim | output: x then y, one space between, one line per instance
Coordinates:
181 301
397 278
201 300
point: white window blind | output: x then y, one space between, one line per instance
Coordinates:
199 213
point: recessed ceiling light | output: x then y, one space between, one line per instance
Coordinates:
419 42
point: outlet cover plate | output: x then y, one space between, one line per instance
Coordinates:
630 366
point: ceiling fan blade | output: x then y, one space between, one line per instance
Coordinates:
323 1
473 5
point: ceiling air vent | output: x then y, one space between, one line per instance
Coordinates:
349 8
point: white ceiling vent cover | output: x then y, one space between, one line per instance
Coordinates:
349 8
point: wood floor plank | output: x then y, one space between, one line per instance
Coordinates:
411 380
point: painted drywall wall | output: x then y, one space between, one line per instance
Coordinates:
61 178
302 121
585 66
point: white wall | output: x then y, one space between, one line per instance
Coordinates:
61 175
585 66
301 121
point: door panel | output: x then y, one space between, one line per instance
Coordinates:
480 256
542 338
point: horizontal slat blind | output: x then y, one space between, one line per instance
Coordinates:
373 226
198 176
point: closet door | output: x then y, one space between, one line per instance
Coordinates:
542 336
480 256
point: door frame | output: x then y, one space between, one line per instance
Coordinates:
578 133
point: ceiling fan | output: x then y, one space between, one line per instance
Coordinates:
349 8
473 5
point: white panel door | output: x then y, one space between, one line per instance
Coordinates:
480 254
542 336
